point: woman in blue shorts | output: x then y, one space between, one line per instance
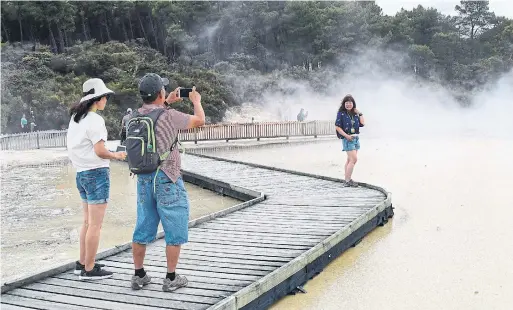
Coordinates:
348 123
86 139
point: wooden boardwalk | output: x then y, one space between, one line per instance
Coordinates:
246 257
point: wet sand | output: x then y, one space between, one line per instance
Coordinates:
41 211
450 244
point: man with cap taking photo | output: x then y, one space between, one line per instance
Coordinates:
161 194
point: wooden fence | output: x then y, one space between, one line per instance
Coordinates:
33 140
230 131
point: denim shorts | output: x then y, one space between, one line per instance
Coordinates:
94 185
161 200
351 145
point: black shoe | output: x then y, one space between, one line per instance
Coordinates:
96 274
79 267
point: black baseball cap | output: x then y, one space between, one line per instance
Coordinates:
151 84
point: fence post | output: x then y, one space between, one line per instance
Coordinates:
196 135
315 129
37 135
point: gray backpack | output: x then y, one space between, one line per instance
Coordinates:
141 147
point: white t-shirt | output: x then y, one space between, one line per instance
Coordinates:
81 140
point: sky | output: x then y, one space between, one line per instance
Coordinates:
390 7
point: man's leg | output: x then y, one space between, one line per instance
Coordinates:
145 228
173 208
172 255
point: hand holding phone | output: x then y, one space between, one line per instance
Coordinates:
184 92
173 96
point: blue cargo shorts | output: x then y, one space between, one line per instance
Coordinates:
351 145
94 185
161 200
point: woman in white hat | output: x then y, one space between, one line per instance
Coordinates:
86 139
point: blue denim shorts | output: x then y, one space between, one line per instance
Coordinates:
161 200
94 185
351 145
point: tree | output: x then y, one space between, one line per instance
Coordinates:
474 17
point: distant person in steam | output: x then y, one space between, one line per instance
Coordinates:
348 123
302 115
24 123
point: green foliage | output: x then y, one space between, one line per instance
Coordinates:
48 84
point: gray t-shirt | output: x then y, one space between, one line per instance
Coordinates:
124 121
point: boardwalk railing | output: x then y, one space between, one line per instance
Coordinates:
234 131
229 131
33 140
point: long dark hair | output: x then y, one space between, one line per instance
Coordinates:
81 109
343 107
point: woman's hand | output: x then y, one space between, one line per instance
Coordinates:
349 138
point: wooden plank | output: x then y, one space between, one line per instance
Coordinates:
199 273
114 296
280 216
33 303
124 277
290 240
211 258
254 234
276 230
126 290
244 249
256 254
198 267
198 276
285 223
204 264
246 243
207 254
87 299
155 285
4 306
293 218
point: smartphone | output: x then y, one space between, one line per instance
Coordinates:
184 92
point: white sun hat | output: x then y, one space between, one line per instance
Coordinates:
94 88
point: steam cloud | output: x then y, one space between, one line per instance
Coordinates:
394 102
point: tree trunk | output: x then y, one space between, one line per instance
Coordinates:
163 38
62 45
142 28
32 39
124 30
131 28
154 33
101 35
52 38
5 31
21 29
106 25
84 29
